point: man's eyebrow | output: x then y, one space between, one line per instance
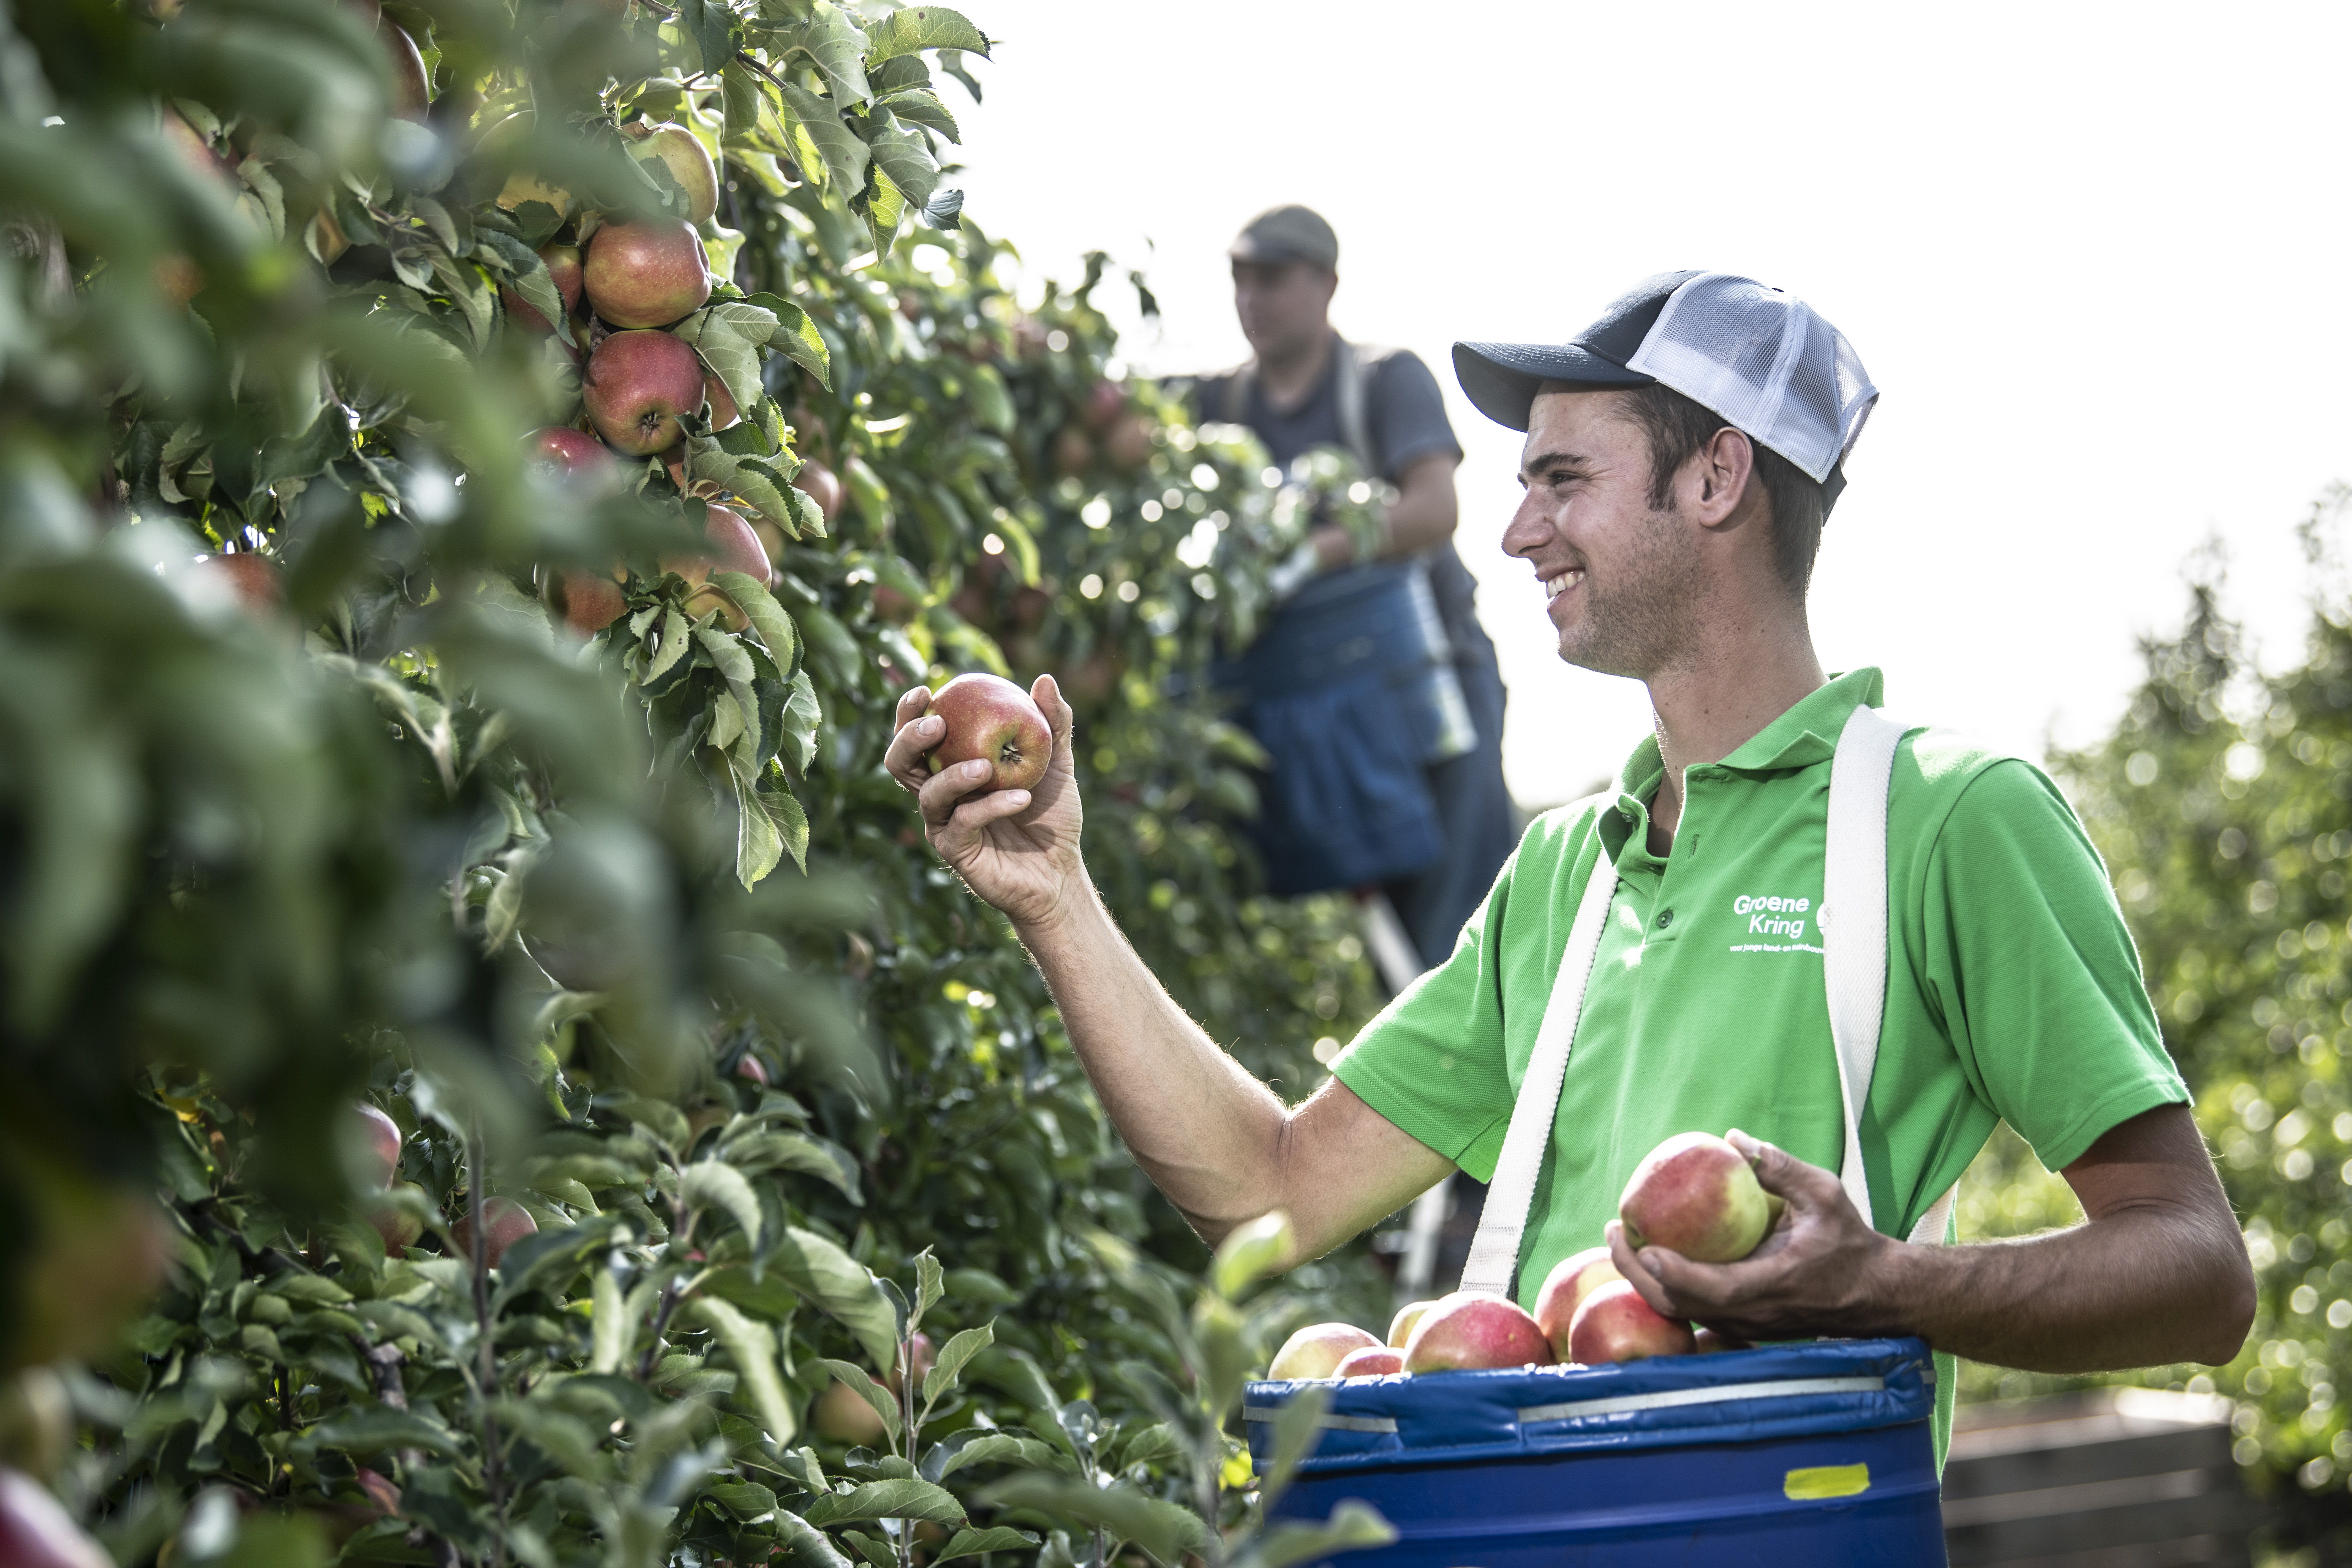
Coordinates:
1555 460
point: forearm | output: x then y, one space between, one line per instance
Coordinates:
1208 1134
2138 1288
1421 517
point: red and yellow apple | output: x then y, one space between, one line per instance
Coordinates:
636 386
381 1139
1694 1194
646 274
675 148
735 548
259 583
1372 1360
820 485
1466 1330
504 1222
989 719
1570 1280
1615 1325
1317 1350
563 269
400 1225
1400 1326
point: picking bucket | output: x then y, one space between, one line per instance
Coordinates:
1797 1455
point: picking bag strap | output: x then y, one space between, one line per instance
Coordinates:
1854 921
1493 1259
1348 404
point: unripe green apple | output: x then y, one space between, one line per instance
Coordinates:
842 1415
648 274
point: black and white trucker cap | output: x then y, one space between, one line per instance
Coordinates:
1760 358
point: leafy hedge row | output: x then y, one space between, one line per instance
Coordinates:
631 933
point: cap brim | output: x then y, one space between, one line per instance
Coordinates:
1500 379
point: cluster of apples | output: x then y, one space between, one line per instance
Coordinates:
1695 1194
397 1208
637 278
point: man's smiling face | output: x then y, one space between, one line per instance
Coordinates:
1619 576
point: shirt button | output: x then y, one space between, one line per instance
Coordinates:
1665 919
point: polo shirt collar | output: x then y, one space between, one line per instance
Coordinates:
1807 733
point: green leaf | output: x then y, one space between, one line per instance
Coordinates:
959 1350
902 32
1352 1526
1250 1253
796 338
931 1284
728 335
822 1272
825 149
900 153
922 106
885 1403
914 1499
819 1157
1161 1528
806 1544
379 1428
1008 1448
1296 1432
753 1348
744 1500
791 823
760 841
972 1543
768 621
714 1184
835 46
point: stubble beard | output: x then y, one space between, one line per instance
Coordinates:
1634 615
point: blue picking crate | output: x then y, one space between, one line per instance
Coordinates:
1814 1454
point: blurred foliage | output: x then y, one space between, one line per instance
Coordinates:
2223 805
306 798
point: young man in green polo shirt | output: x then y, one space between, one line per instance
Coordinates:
1681 453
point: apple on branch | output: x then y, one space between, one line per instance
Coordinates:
648 274
676 149
563 269
990 719
504 1222
637 386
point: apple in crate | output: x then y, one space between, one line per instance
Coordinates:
1317 1351
1615 1325
1466 1330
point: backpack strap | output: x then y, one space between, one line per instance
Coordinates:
1350 394
1502 1225
1237 389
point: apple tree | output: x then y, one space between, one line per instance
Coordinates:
709 1091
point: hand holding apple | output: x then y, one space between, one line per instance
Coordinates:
1016 848
1820 1270
1695 1194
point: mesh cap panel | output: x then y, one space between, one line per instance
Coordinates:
1766 362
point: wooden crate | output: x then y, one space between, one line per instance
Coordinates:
2111 1478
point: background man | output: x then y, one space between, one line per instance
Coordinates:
1294 394
1681 453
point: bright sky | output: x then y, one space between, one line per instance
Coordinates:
2088 253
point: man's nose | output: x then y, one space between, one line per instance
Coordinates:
1529 529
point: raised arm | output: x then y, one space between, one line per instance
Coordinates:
2157 1273
1214 1140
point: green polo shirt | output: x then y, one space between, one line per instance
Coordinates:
2013 990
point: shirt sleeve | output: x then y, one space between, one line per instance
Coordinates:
1408 414
2034 970
1432 1062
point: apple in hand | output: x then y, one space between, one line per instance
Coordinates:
1571 1280
1373 1361
1317 1351
636 386
1696 1195
1466 1330
504 1222
1400 1326
648 274
989 719
1615 1325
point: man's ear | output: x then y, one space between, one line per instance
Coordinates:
1717 477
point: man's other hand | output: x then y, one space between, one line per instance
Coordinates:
1811 1274
1017 849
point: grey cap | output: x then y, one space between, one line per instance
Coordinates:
1290 233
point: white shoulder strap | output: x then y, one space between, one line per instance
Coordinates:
1855 932
1502 1224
